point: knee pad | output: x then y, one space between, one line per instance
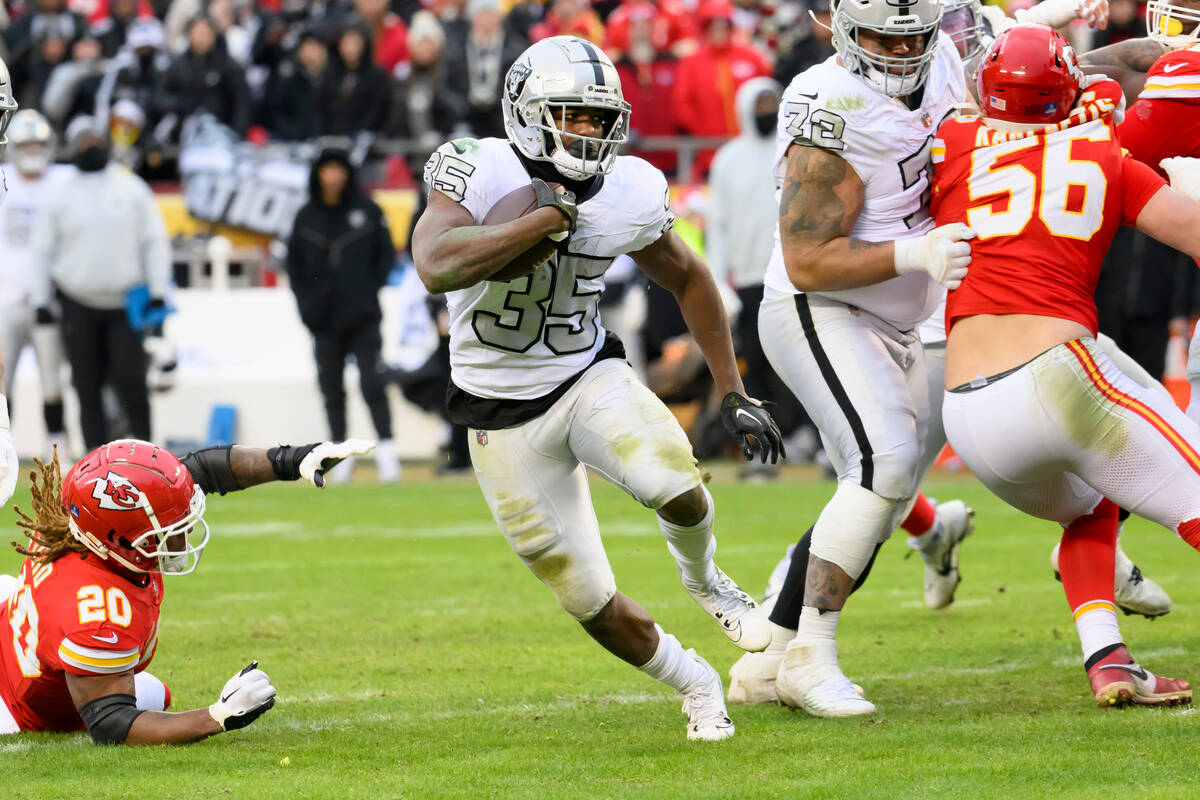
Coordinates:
896 470
581 588
853 522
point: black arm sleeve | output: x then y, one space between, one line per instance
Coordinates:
109 718
211 470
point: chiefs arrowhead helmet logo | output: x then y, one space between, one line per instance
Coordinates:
116 493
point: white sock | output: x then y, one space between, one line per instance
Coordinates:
1097 627
672 665
693 546
780 636
815 625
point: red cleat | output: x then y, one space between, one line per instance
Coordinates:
1117 680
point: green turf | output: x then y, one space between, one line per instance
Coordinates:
416 657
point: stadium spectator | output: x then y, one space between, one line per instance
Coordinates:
339 256
805 43
570 18
388 31
709 78
112 27
648 83
70 89
294 91
475 67
355 94
230 22
28 174
46 33
99 236
522 16
133 74
671 29
206 78
421 111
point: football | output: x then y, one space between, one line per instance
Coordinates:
514 205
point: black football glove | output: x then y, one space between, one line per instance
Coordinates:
564 201
752 428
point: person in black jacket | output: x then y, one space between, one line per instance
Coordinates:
206 78
293 91
355 95
339 256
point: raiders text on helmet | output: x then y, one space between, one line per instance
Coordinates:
552 76
895 76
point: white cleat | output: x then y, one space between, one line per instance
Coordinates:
939 550
809 678
1133 592
744 621
704 704
752 678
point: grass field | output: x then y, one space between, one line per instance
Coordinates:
416 657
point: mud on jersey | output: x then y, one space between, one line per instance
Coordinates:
887 144
74 616
521 339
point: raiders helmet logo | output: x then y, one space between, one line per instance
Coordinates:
116 493
514 83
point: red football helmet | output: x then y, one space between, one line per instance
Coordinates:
135 503
1028 74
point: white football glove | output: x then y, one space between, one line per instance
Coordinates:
1184 174
246 697
943 253
995 16
9 465
328 455
1057 13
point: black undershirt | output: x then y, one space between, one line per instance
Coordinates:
491 414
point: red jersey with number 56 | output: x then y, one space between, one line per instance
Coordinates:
1165 120
74 615
1044 205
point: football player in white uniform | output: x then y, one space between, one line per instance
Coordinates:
545 390
856 270
31 152
9 466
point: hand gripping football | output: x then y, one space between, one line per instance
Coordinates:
514 205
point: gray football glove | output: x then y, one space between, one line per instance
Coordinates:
562 199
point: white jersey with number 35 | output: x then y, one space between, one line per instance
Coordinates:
887 144
521 339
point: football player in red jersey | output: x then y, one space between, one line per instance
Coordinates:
1033 407
80 622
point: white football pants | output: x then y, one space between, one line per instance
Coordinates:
17 332
533 477
1069 428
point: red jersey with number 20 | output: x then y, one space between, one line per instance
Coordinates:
77 616
1165 120
1044 204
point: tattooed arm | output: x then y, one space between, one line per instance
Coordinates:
1126 62
821 200
451 252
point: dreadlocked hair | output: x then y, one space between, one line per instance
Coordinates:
49 532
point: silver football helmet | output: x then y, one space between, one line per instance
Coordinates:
8 105
553 75
1172 25
31 142
895 76
962 21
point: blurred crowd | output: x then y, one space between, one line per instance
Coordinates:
416 70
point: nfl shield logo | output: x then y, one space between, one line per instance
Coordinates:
481 438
